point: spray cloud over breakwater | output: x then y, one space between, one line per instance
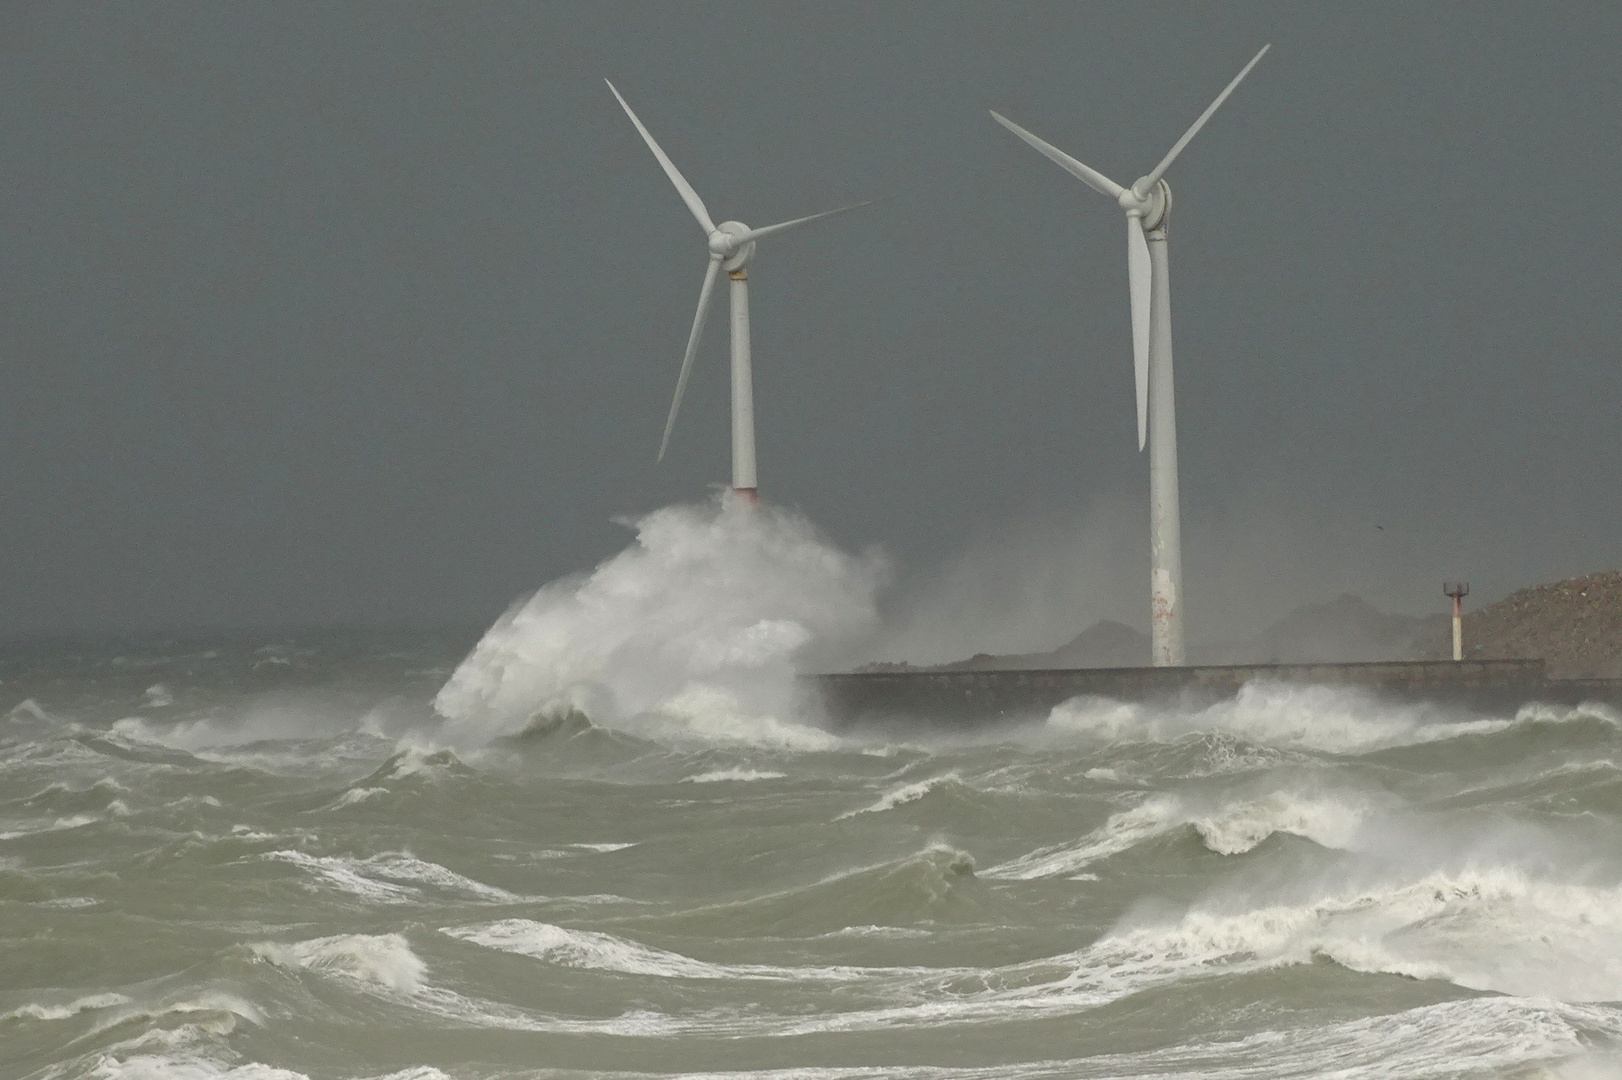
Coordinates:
695 628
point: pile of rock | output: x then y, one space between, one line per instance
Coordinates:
1575 625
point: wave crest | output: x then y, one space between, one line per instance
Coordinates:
1230 828
380 959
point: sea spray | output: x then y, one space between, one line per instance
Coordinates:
693 629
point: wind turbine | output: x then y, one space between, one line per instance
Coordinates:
732 247
1147 203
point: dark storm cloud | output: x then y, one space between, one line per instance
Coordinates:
316 312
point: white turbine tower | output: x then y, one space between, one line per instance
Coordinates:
732 246
1148 204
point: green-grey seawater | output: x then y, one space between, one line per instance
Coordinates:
246 857
611 838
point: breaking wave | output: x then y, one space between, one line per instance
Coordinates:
737 775
1227 828
906 793
694 631
1332 719
606 952
384 960
1493 928
390 878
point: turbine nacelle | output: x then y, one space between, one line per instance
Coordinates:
1152 209
731 244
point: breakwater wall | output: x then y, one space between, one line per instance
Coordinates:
967 699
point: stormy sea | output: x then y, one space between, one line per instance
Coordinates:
614 836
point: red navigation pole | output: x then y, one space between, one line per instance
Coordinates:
1458 591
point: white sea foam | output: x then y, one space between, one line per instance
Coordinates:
379 879
261 722
587 949
418 758
29 709
1542 713
212 1012
177 1066
1332 821
904 794
692 632
1487 928
353 796
384 960
40 1011
192 1052
602 849
342 874
1120 832
605 952
61 787
735 775
1341 720
1487 1036
871 931
1229 827
49 825
240 831
1494 930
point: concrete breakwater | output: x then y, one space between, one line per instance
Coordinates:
968 699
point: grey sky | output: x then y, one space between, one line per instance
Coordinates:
315 312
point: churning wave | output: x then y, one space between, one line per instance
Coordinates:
1229 827
693 631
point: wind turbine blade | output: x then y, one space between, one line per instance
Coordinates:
1141 282
692 350
1142 186
1089 176
688 195
784 226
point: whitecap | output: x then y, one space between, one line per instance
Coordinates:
1230 827
1492 928
41 1011
904 794
379 878
384 960
735 775
354 795
1333 719
605 952
61 824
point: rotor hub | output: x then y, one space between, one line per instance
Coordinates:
727 242
1154 207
